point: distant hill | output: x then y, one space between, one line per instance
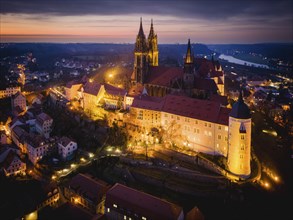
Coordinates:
46 52
283 51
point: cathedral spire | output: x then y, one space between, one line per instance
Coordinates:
189 56
140 32
152 32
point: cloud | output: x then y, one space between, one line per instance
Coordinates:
206 9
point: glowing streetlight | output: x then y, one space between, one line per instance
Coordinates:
91 155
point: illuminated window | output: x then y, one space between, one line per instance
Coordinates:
108 209
125 217
114 205
226 128
210 133
143 218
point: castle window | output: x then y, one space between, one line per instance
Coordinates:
226 128
178 118
219 127
196 122
242 137
205 124
241 156
210 125
219 137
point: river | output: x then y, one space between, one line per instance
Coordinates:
241 62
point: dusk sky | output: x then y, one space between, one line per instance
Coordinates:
203 21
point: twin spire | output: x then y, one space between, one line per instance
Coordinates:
142 44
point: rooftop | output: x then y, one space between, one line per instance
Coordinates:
88 187
205 110
141 203
65 141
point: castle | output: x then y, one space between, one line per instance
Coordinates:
167 102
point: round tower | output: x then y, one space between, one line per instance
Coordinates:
239 139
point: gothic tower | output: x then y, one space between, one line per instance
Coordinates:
153 55
239 143
188 77
140 57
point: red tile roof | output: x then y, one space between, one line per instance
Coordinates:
164 76
205 84
114 90
9 159
205 110
141 203
207 67
220 99
136 90
41 118
148 102
35 140
64 141
92 88
71 83
88 187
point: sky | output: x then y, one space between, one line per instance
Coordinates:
175 21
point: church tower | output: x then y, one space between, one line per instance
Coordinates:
153 54
140 57
239 139
188 77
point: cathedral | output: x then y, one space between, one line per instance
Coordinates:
199 77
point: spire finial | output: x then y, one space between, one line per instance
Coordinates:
140 28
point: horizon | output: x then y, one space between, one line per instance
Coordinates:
132 43
244 22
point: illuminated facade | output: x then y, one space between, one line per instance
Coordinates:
19 100
199 125
141 56
8 92
86 192
153 52
239 139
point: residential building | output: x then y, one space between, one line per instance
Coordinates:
123 202
18 100
8 92
12 165
18 136
66 148
37 148
44 124
86 192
